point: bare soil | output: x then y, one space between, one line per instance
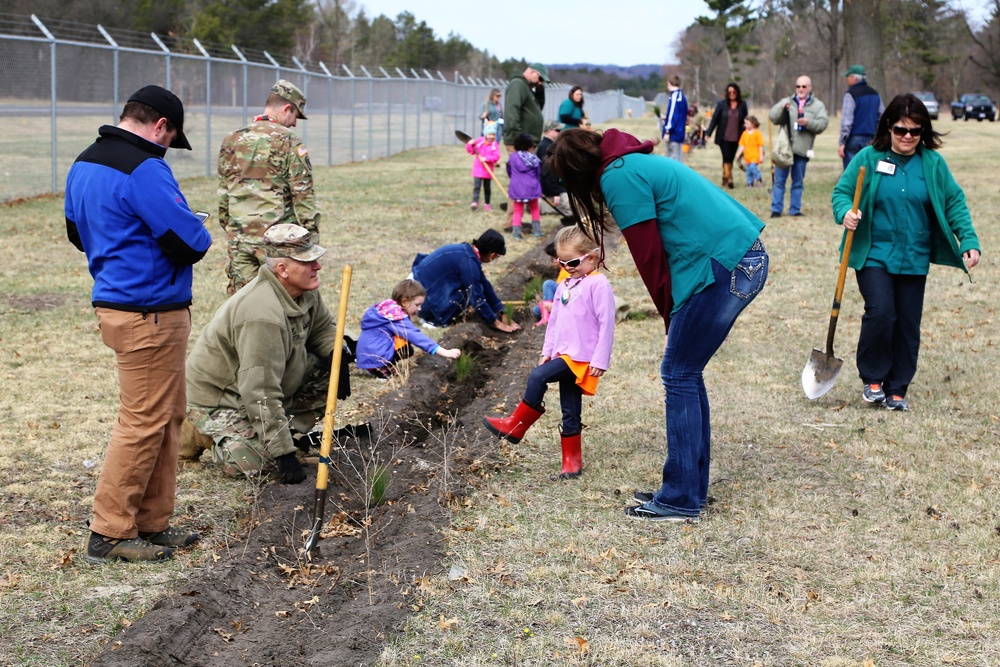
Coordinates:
267 603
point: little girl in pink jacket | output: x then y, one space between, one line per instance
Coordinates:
487 151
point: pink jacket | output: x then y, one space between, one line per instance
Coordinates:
489 151
584 327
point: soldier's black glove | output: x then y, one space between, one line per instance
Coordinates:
344 384
290 470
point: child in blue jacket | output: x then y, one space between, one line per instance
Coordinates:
388 334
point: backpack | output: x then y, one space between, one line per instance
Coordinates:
781 154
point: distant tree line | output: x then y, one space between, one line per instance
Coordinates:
906 45
334 32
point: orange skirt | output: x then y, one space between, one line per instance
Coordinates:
581 369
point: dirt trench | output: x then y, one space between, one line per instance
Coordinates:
265 603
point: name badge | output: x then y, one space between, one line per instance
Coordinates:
885 167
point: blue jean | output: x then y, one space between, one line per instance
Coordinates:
570 394
548 293
696 332
853 146
798 173
753 174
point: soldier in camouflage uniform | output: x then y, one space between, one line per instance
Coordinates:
261 368
265 178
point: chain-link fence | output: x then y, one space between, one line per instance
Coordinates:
61 81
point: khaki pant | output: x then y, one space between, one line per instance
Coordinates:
135 490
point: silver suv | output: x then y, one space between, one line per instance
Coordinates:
929 101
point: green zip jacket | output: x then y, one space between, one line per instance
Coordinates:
255 353
951 217
521 112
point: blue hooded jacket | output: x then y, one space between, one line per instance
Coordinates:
125 210
454 280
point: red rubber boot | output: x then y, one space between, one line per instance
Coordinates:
572 457
514 427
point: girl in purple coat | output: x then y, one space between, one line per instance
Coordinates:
576 352
388 334
525 171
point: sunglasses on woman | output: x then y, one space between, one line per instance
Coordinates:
901 131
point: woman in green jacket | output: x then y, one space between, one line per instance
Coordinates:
912 214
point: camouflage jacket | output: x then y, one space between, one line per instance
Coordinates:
265 178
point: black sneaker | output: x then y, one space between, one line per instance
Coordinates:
652 512
872 393
896 402
775 214
171 537
646 496
101 549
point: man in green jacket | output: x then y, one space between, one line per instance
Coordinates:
261 368
521 112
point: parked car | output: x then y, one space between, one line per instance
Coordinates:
929 101
973 105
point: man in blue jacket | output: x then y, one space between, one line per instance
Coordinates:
125 210
859 114
454 279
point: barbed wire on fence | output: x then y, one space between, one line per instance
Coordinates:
62 80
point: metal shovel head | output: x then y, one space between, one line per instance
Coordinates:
820 373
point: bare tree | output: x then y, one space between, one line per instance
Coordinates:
863 39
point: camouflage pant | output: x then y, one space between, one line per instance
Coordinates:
245 259
239 449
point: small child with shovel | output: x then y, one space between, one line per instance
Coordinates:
486 149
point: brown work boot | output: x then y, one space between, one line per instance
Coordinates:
101 549
192 442
171 537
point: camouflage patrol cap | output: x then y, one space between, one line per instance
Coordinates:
289 91
288 240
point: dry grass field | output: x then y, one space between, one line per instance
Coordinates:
840 535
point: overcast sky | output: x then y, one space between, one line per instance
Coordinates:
602 32
556 31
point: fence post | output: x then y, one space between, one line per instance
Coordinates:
305 91
329 114
406 104
246 76
277 65
54 93
114 93
354 106
388 113
371 129
208 107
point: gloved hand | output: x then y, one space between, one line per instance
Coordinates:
308 441
290 470
344 385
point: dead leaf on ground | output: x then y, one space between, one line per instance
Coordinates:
580 645
450 624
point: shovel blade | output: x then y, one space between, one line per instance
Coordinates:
820 373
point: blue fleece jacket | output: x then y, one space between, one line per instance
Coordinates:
125 210
454 280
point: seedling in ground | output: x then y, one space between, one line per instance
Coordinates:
464 366
377 485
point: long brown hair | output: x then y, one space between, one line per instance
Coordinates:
576 158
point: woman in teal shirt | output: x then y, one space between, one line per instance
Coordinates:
699 255
571 113
910 214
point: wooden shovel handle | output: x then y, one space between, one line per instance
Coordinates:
844 256
322 474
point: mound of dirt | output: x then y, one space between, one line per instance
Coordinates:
269 603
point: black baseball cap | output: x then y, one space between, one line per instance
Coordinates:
167 104
491 241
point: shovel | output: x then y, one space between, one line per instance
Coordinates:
822 369
323 472
462 136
